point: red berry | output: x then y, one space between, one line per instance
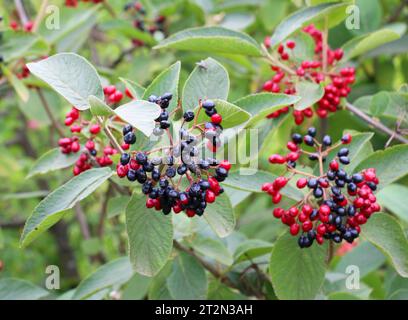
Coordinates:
90 145
69 121
150 203
109 90
293 211
277 159
95 129
301 183
125 146
307 226
209 196
334 165
216 118
324 209
346 139
225 164
76 128
28 26
13 25
290 44
278 212
75 147
294 229
277 198
129 94
190 213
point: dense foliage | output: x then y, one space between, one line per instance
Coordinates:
203 149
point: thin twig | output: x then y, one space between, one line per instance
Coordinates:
40 15
104 211
376 124
21 11
110 135
50 115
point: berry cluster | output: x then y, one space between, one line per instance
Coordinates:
336 83
74 3
142 23
336 203
113 95
89 154
157 174
27 27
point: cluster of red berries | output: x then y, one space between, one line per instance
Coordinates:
140 22
89 154
113 95
336 83
157 174
74 3
327 211
27 27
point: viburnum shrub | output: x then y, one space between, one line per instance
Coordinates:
74 3
336 81
336 202
158 175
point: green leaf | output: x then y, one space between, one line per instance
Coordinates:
212 39
166 82
113 273
378 101
71 75
370 16
303 17
231 114
150 236
393 197
401 294
187 280
297 274
259 105
309 92
15 45
365 256
136 288
99 107
391 164
251 249
387 234
117 205
252 180
362 44
52 160
212 248
209 80
342 296
158 289
140 114
126 28
50 210
135 89
398 46
72 22
220 216
17 289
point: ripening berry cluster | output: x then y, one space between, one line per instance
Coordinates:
336 83
161 177
140 22
82 129
74 3
27 27
335 203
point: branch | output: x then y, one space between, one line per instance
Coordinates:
50 115
40 15
110 135
376 124
104 211
21 11
224 279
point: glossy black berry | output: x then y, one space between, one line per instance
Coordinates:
344 160
165 124
312 183
312 132
126 129
308 140
125 158
188 116
208 104
327 141
171 172
297 138
343 152
129 138
141 158
131 175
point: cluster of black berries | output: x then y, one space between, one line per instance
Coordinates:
327 211
157 174
163 119
137 11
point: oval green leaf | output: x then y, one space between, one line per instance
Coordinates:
150 236
71 75
212 39
387 234
209 80
297 274
50 210
220 216
52 160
